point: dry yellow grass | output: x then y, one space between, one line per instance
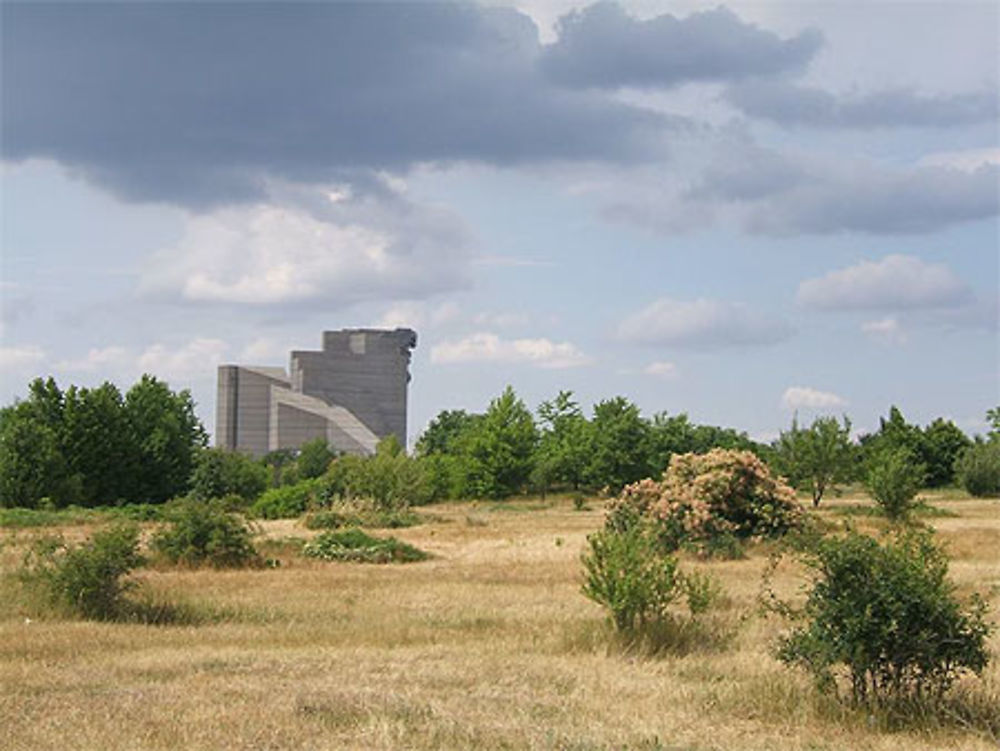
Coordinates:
489 645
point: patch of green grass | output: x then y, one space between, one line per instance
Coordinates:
373 519
24 518
922 508
355 545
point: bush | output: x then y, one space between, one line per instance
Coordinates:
631 575
709 502
885 617
390 478
203 532
355 545
893 480
286 502
978 469
87 581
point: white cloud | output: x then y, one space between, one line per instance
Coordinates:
304 249
886 329
796 397
967 160
895 282
701 323
417 315
487 347
501 320
263 349
661 369
113 357
193 360
18 359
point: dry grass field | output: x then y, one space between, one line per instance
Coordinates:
488 645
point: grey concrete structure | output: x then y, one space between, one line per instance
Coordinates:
352 392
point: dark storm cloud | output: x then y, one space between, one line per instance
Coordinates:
788 104
602 46
201 103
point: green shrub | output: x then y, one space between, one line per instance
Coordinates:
893 480
885 619
286 502
978 469
88 580
355 545
360 512
390 478
631 575
204 533
709 502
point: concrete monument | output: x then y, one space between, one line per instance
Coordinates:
352 392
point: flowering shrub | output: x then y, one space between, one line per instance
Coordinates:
703 499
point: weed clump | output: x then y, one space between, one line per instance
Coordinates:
355 545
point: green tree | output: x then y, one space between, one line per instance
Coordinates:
167 436
501 448
818 457
218 473
943 442
619 446
564 442
32 466
447 432
314 458
894 477
978 469
99 445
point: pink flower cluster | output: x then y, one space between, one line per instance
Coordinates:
722 492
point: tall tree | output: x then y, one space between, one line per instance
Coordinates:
502 447
818 457
942 443
620 445
166 436
565 442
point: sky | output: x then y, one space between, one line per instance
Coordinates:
738 211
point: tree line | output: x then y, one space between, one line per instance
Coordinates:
97 446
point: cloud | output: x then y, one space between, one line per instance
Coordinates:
886 330
896 282
701 324
200 105
307 250
602 46
661 369
487 347
793 105
97 360
22 358
798 397
782 194
418 315
193 360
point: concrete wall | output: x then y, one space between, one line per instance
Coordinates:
352 392
243 409
365 371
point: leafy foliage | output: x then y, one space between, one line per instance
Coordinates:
314 458
219 473
619 437
885 617
94 446
355 545
893 480
286 502
203 533
87 580
978 469
390 479
706 501
817 457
